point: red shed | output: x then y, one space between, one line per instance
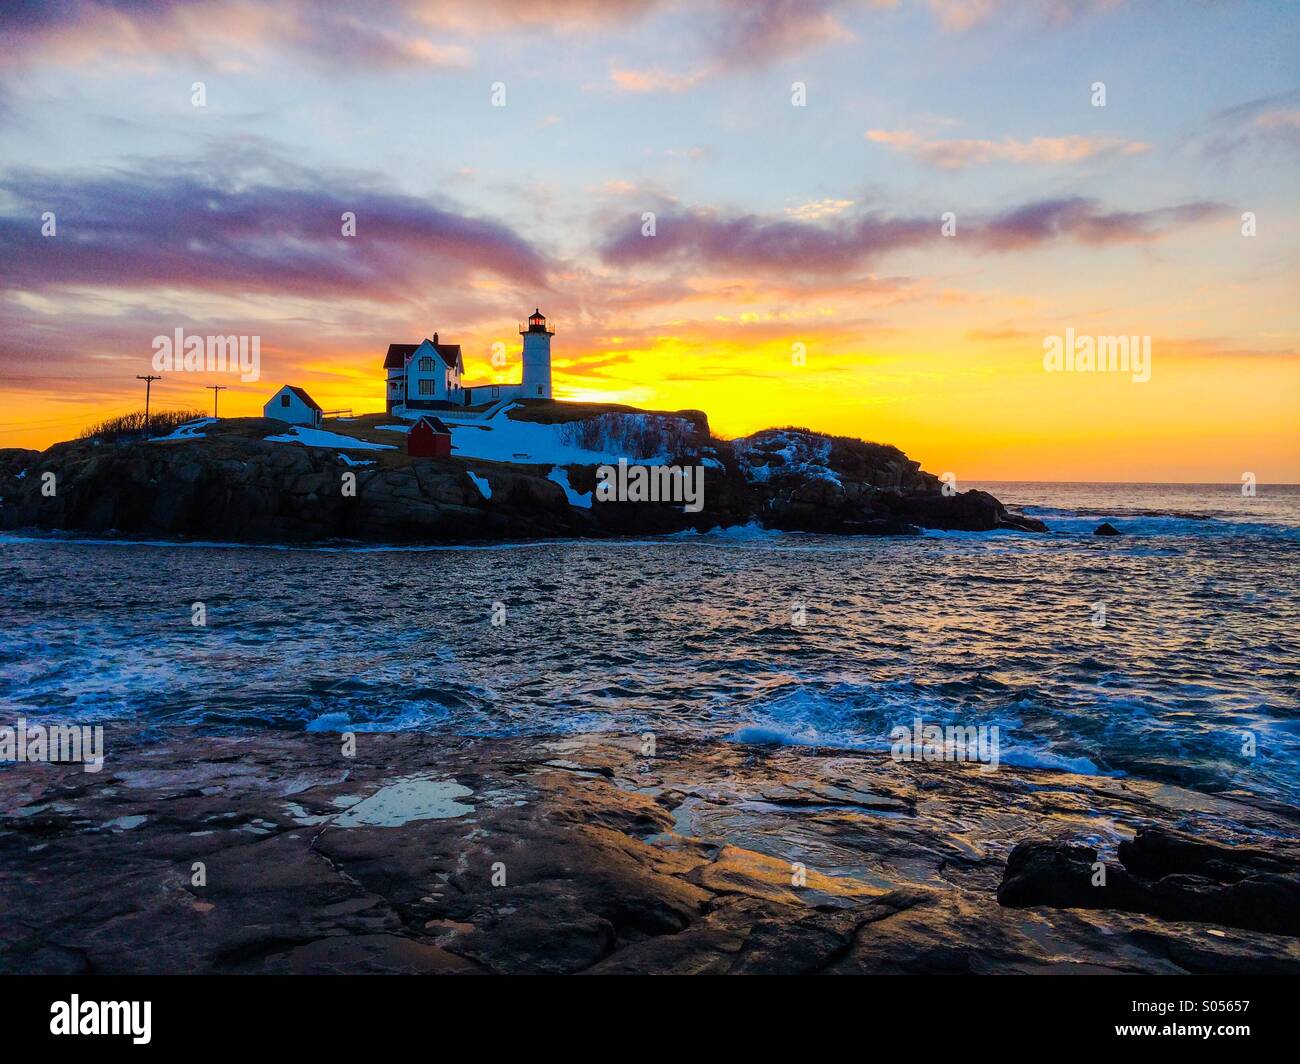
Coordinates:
429 438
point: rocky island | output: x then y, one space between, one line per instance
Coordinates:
528 471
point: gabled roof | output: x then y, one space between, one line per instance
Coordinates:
301 394
436 424
450 354
398 354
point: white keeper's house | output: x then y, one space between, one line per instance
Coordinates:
294 405
429 375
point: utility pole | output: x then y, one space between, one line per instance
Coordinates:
147 382
215 388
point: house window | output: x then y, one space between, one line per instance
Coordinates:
284 400
426 365
426 388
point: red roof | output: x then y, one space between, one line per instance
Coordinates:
450 353
303 396
398 354
434 423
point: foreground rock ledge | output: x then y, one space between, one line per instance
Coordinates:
612 862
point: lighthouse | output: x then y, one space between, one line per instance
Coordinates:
431 375
537 357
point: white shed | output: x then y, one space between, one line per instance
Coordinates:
295 406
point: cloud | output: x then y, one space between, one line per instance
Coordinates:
1269 122
958 16
748 241
138 230
958 154
744 34
818 209
999 335
388 33
1085 221
1283 120
710 239
400 34
654 79
755 32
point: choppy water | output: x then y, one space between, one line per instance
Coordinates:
694 634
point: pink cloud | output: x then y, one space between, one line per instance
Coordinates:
396 33
958 16
958 154
654 80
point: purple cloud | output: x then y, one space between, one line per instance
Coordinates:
777 245
393 33
751 32
1271 122
137 231
1085 221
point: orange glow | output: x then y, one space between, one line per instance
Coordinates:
983 409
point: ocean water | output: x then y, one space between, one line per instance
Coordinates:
1200 645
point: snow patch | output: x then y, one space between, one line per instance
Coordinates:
484 488
561 477
652 438
776 452
189 430
353 461
500 439
320 438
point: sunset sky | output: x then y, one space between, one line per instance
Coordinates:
775 225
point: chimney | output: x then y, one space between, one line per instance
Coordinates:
435 338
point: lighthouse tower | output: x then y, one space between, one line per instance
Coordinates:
537 357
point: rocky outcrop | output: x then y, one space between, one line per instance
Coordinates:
14 460
804 481
1164 874
1106 529
564 854
233 484
233 487
971 511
